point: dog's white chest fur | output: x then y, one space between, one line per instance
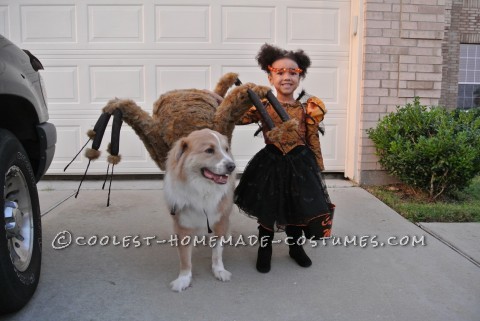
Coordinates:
194 200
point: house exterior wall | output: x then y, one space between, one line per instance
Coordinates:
402 59
461 27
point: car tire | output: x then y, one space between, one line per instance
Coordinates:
20 229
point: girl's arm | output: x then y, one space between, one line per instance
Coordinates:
315 109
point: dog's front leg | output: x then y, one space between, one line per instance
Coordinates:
217 252
217 264
185 275
185 255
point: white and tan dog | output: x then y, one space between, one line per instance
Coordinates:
198 186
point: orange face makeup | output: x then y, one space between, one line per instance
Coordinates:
294 70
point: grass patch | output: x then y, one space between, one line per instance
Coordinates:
463 206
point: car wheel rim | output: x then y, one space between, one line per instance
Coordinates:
18 218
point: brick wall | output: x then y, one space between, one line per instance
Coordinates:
462 26
402 59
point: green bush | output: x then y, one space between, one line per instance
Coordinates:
432 149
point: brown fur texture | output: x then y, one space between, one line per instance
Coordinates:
91 134
179 112
286 132
114 160
92 154
225 83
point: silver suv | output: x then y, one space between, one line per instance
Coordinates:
27 146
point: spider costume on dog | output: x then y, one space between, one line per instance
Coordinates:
175 114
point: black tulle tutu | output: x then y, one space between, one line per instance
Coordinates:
280 190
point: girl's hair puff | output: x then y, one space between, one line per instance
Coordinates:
268 54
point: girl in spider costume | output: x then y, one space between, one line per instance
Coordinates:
282 186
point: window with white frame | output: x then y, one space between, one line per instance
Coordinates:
469 77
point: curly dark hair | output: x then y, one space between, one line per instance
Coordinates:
268 54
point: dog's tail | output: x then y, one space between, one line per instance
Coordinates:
225 83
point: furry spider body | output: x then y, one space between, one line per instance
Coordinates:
179 112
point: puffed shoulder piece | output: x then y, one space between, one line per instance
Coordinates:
316 110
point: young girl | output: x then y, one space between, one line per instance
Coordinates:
282 185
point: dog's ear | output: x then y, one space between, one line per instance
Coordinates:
182 148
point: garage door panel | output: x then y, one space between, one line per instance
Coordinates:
4 21
322 26
323 82
107 82
115 23
170 77
245 145
182 24
315 25
243 24
68 141
62 84
52 23
321 29
333 143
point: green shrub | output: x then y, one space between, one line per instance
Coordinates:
433 149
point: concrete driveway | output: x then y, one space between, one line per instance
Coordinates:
422 278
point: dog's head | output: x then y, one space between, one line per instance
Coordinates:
204 153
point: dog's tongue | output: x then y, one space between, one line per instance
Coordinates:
219 179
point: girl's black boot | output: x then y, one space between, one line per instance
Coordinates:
264 257
296 251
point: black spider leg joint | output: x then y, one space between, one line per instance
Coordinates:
259 105
277 106
91 134
93 153
114 157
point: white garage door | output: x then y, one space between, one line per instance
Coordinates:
94 51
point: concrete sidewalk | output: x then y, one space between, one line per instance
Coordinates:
429 280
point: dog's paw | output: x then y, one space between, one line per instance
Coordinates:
222 275
181 283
